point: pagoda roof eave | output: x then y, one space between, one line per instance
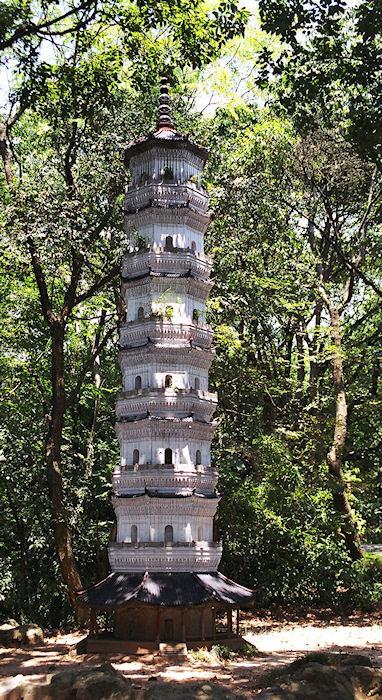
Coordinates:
167 138
178 589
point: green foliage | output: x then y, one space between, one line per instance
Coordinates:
75 114
276 517
329 67
202 655
248 651
221 652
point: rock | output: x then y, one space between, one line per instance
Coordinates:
195 691
31 634
10 623
17 688
276 694
100 683
10 632
13 633
329 676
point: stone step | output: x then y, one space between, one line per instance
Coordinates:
173 648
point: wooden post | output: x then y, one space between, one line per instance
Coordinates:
238 622
183 622
214 624
202 625
229 621
158 626
92 625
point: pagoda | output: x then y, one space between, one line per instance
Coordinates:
164 590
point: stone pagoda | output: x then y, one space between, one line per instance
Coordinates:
164 588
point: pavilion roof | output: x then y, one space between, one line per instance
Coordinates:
165 589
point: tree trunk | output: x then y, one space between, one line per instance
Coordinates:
300 358
5 154
314 351
62 531
336 452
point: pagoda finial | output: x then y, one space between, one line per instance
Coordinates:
164 107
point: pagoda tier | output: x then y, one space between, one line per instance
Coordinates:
136 333
167 260
167 477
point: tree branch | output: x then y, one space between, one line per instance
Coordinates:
46 303
97 350
98 284
32 29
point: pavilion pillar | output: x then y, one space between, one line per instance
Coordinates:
93 623
183 625
157 634
203 624
238 622
229 621
214 624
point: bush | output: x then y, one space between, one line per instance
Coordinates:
222 652
200 655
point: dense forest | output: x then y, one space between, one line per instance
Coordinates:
287 97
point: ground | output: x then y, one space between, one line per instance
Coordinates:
280 637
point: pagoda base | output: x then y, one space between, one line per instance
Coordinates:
104 644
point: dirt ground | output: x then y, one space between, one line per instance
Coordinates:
280 637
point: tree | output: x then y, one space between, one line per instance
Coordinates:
277 345
342 196
328 71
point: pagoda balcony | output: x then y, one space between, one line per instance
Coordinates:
167 403
167 195
153 427
158 556
196 357
152 283
177 260
163 477
147 466
140 331
174 216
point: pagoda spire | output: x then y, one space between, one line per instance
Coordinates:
164 120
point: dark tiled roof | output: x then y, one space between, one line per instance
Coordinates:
154 273
160 493
168 589
164 136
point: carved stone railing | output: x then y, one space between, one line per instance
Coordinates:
167 545
131 186
173 468
175 261
137 332
156 556
163 402
164 479
170 393
166 195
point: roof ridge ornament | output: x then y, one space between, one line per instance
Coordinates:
164 120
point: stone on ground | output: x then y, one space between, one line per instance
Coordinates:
194 691
100 683
329 676
31 634
12 632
